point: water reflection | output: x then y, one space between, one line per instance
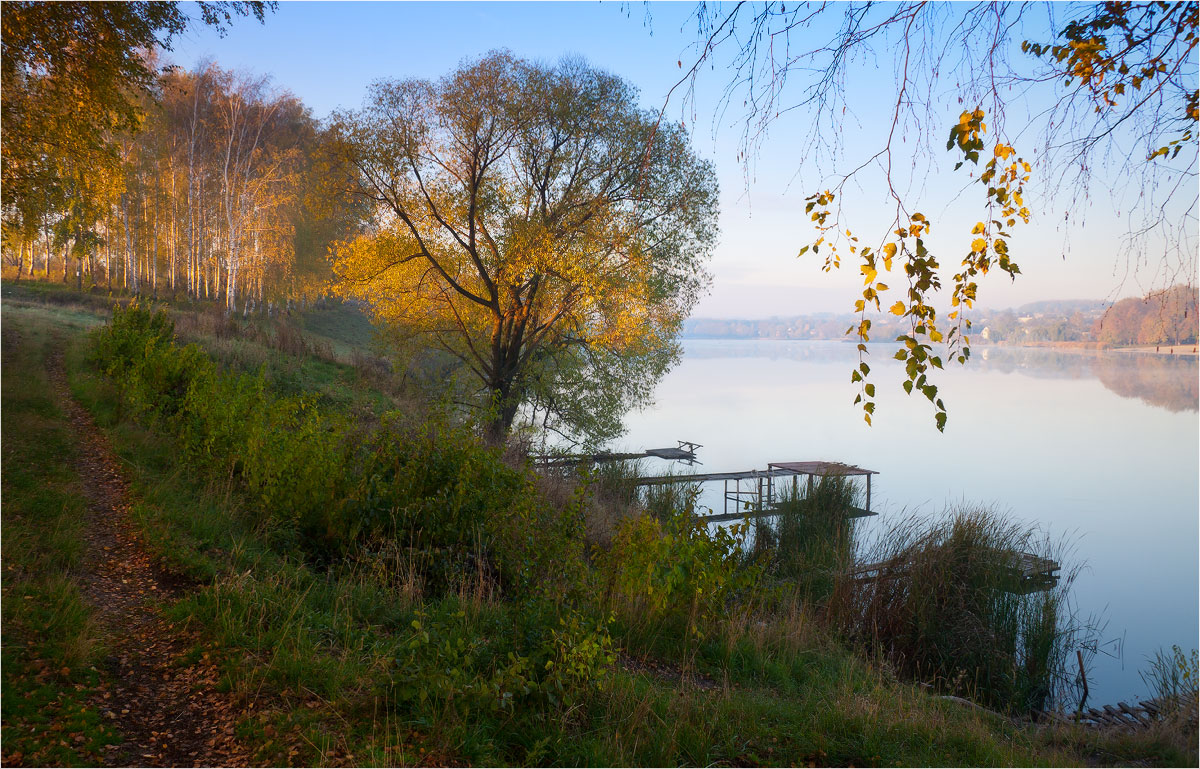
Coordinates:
1170 382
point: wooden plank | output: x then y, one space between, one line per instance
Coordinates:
1122 717
671 453
821 468
659 480
855 512
1139 715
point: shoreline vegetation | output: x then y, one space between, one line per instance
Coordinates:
1163 320
375 586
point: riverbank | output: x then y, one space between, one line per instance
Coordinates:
359 665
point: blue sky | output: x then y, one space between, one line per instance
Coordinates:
327 53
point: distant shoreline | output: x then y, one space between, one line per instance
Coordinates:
1176 351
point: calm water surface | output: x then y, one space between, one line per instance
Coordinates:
1103 448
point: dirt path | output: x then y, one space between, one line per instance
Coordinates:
163 702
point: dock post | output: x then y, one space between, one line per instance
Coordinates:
868 493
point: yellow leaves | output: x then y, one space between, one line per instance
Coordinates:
869 274
978 245
1002 150
897 308
889 252
969 119
935 335
978 228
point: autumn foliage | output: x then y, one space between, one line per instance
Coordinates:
1162 318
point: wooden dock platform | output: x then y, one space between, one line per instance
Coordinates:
753 492
685 451
1029 573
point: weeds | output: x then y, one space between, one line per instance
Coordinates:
811 540
947 605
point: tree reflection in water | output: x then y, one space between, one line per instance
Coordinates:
1171 382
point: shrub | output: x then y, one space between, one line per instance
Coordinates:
527 662
677 569
315 486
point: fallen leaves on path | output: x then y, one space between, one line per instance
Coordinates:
164 700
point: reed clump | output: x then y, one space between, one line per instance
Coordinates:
810 543
947 605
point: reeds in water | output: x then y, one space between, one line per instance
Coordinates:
948 605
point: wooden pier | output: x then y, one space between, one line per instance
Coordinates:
685 451
753 493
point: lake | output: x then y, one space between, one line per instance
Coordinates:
1100 447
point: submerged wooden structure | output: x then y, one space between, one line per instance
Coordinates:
1027 573
1141 716
755 493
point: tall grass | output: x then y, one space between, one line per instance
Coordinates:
947 606
663 501
811 541
1172 678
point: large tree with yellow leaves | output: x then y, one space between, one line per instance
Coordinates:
535 223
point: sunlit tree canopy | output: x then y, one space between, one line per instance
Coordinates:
536 224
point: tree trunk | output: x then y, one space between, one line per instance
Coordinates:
108 247
128 243
154 254
46 235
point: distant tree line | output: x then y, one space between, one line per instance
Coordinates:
1165 317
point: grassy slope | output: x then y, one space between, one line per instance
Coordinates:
308 653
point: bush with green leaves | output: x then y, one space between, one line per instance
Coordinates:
315 484
524 661
138 351
675 569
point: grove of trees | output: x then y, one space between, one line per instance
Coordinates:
208 198
126 174
1163 318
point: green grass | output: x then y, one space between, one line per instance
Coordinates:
318 655
51 653
347 329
